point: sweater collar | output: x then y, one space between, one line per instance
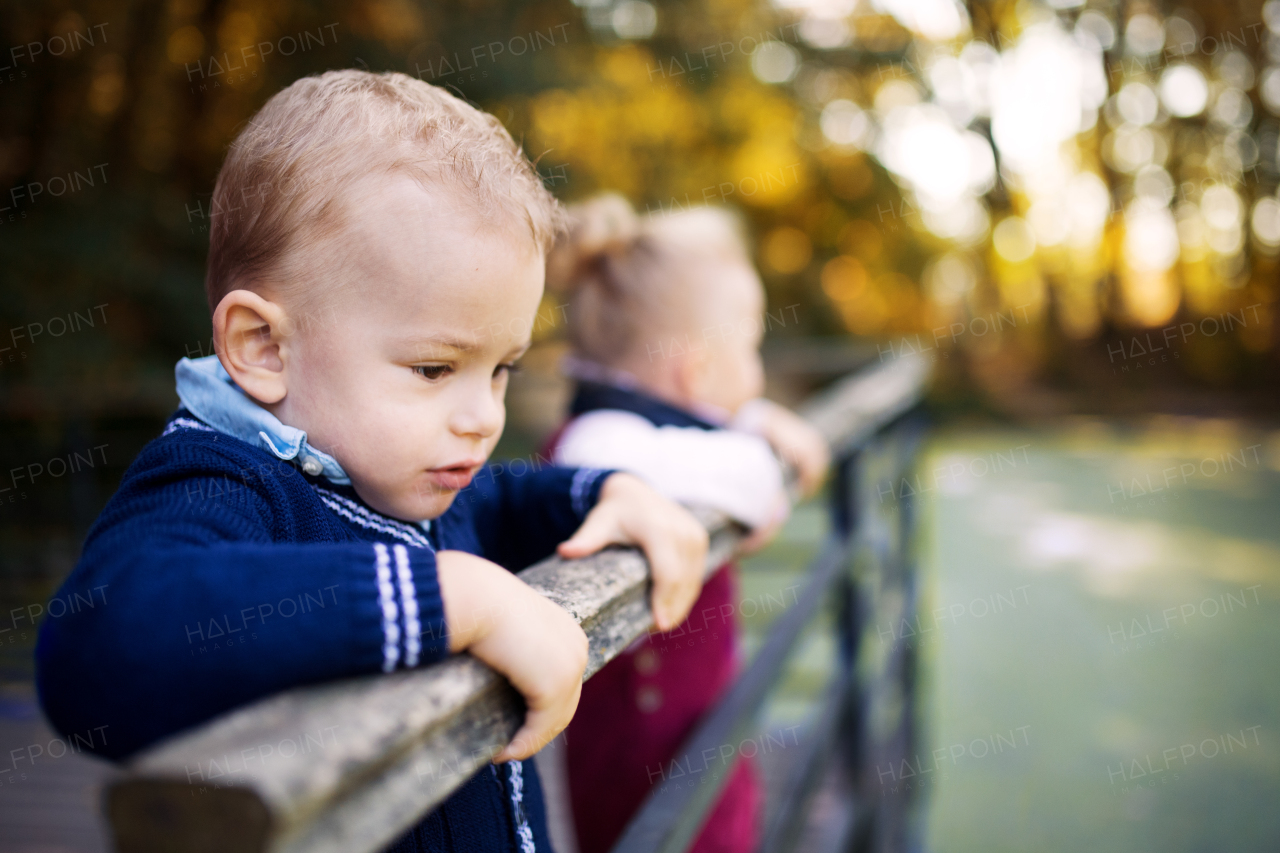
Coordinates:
599 387
208 392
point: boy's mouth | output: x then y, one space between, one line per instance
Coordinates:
454 477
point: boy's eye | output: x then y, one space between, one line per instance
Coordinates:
512 367
431 371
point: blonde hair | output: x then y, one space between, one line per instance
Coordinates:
285 176
629 278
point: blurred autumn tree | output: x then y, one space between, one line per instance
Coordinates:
686 107
116 117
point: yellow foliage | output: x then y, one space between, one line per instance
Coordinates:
843 278
652 138
394 21
787 250
185 45
1150 299
626 67
237 30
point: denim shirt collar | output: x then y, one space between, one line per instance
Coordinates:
208 392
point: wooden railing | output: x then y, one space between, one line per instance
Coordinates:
372 755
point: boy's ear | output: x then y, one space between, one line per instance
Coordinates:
248 337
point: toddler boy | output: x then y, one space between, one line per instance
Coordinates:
376 260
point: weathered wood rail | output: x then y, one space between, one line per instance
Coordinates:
394 746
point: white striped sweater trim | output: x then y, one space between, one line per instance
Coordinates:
371 520
185 423
409 604
392 630
364 522
524 833
390 584
390 613
580 487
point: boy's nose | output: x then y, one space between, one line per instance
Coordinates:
480 415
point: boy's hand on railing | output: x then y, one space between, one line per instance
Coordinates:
799 444
630 512
534 642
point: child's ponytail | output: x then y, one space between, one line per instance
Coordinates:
631 281
605 225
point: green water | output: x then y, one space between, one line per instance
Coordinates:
1102 659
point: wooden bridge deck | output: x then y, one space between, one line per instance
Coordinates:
47 804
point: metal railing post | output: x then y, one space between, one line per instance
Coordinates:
894 686
913 435
850 619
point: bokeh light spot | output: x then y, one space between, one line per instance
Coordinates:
843 278
1143 35
1183 90
775 62
1013 239
845 123
634 19
787 250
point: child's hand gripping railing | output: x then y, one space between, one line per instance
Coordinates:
397 745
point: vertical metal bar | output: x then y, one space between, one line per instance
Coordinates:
851 617
846 517
888 584
894 838
877 694
811 770
844 497
913 432
897 746
833 738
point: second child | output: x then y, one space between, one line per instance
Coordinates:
665 322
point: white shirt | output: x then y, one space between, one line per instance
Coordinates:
728 470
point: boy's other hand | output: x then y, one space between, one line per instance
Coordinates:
534 642
799 444
630 512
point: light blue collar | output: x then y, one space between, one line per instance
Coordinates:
207 391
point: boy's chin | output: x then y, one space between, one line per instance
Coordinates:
432 507
412 507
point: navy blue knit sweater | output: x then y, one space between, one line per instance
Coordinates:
229 575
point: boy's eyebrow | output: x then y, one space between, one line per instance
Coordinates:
461 345
444 341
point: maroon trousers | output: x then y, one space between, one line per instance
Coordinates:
638 709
